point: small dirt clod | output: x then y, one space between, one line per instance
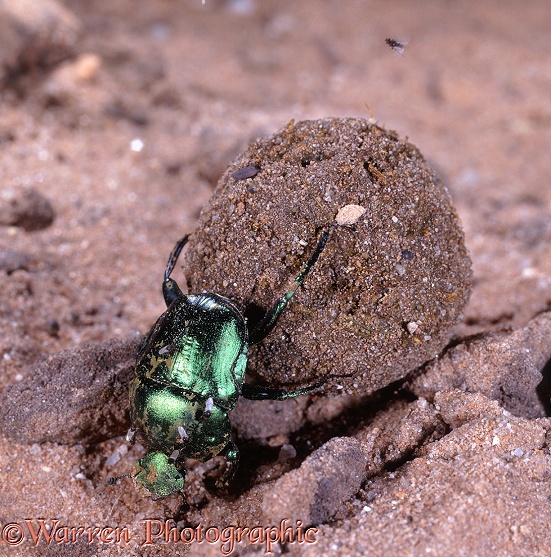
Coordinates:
76 396
26 208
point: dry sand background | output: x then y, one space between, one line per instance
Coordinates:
116 121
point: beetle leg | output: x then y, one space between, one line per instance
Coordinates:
174 254
260 392
231 453
184 507
263 329
114 479
171 290
130 435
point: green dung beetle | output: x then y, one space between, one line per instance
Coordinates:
189 375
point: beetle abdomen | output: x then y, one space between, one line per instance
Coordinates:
171 419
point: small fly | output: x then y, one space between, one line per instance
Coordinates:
398 46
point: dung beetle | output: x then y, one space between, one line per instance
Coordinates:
190 373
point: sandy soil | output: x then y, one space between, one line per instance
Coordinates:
116 122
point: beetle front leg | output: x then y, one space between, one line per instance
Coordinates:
231 453
263 329
171 290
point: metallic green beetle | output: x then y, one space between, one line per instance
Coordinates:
189 374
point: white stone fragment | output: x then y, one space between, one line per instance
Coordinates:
349 214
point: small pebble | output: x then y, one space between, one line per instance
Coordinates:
25 208
86 67
246 172
35 34
349 214
287 452
52 327
11 261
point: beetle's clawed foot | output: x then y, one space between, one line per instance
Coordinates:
184 507
218 485
215 486
114 479
131 435
221 484
216 475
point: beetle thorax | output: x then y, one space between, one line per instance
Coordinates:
198 345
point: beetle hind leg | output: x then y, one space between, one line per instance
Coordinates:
231 453
260 392
131 435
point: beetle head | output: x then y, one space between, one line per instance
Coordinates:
156 475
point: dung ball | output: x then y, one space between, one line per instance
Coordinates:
392 281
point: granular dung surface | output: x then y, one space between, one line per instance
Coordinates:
385 292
